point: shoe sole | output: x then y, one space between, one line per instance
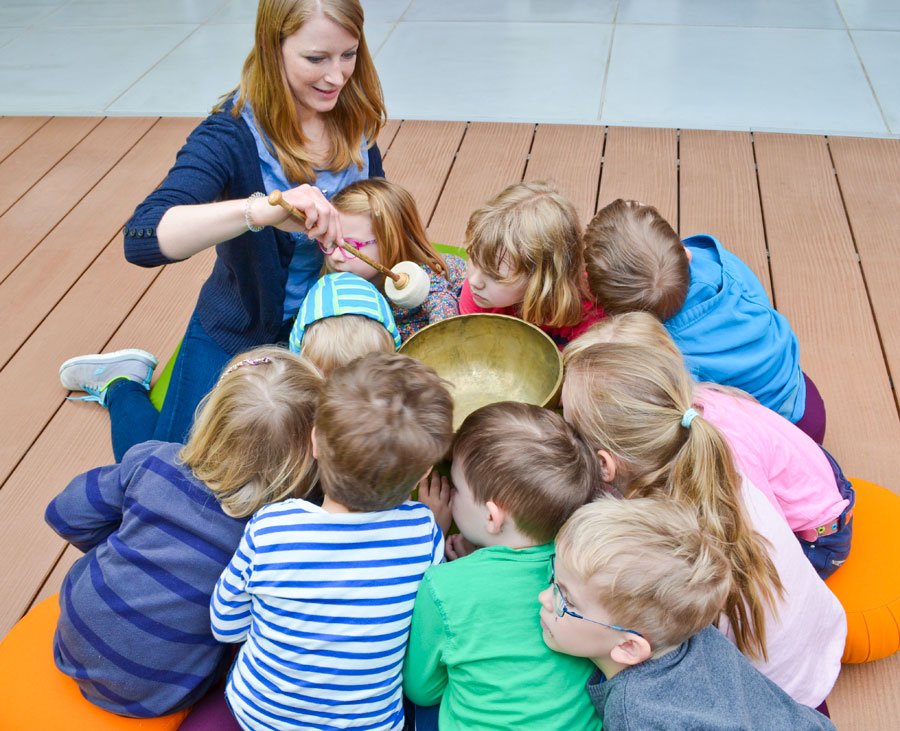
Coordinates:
142 356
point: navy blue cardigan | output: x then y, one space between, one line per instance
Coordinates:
241 304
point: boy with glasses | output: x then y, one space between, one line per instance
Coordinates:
636 587
519 471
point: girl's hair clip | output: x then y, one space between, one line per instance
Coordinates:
248 362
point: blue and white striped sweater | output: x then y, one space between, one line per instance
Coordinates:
324 602
134 611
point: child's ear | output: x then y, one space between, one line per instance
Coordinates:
312 441
608 466
689 254
496 517
631 651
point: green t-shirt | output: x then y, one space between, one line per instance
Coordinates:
476 647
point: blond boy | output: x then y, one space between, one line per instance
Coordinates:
636 587
322 596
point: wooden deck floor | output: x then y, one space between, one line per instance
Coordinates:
816 218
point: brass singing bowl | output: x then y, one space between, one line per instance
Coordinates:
489 358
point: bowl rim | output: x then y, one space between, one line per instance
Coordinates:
559 357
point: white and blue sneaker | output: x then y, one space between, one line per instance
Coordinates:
94 373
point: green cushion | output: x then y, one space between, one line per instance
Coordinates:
447 249
158 392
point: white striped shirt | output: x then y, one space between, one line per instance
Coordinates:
324 602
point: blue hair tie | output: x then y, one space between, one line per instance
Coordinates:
689 417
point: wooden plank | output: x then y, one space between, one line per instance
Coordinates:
77 438
818 285
31 161
641 164
15 130
44 276
865 696
386 136
569 156
868 172
39 210
421 157
81 323
492 156
719 195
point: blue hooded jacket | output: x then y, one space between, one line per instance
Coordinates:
730 334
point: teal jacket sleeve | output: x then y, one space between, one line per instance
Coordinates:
424 669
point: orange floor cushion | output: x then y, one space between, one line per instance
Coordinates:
868 584
35 695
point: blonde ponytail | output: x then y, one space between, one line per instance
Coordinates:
630 400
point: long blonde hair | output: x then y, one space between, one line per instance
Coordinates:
535 231
631 400
359 111
396 222
251 440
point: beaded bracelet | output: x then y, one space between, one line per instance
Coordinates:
247 217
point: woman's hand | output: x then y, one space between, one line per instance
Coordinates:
322 221
434 491
457 546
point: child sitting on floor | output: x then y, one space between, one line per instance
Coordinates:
710 302
341 318
381 220
158 529
635 407
321 597
475 646
803 482
526 259
637 585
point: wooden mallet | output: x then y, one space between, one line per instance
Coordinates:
407 284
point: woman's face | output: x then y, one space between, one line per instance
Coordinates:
318 61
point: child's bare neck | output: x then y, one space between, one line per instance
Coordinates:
333 506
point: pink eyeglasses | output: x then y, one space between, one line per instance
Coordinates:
329 250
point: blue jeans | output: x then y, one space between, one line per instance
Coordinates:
828 553
197 368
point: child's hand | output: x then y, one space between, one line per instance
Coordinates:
434 491
457 546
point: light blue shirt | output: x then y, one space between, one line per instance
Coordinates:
306 262
730 334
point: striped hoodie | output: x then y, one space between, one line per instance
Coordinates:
323 603
134 610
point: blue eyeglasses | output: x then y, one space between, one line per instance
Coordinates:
562 609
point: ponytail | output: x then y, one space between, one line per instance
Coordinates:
633 401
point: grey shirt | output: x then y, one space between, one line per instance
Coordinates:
705 684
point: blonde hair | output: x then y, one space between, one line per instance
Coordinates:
535 231
250 442
629 328
383 420
335 341
635 260
649 564
631 402
643 329
530 462
359 111
396 222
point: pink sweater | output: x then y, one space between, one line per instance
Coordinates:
591 312
786 465
806 634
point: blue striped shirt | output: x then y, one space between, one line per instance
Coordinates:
133 629
324 602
